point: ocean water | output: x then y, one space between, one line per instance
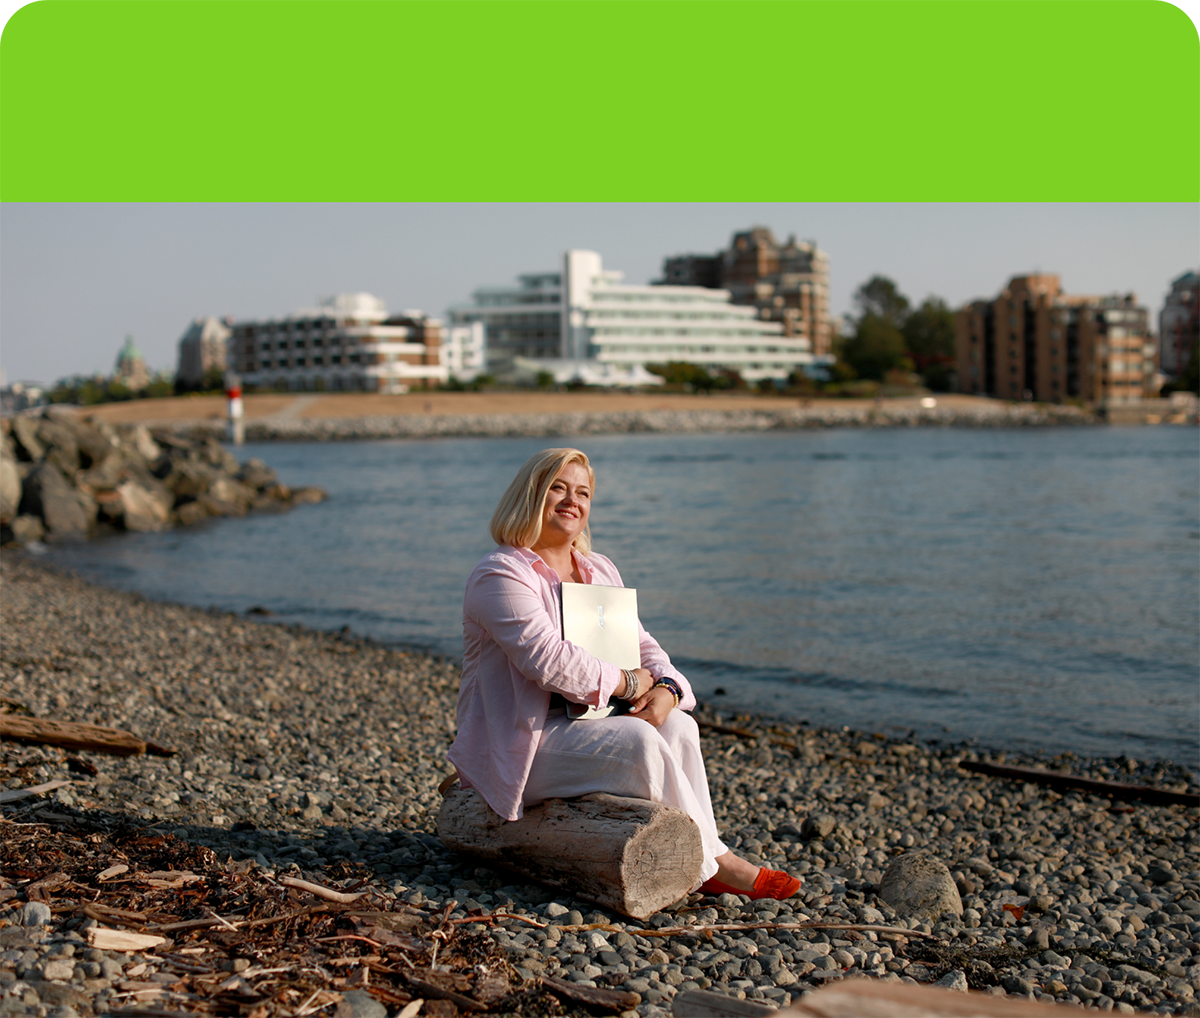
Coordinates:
1029 589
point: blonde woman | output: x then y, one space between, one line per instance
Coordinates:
515 745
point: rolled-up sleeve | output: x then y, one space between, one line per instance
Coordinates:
502 602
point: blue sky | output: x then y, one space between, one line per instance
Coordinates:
75 279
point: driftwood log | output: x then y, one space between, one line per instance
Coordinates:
71 735
1112 789
872 998
630 855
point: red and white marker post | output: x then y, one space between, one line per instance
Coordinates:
237 423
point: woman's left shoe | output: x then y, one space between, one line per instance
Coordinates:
768 884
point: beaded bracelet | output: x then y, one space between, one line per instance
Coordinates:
672 686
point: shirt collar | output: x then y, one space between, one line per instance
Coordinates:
535 560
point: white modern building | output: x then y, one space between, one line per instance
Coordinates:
464 350
349 342
587 316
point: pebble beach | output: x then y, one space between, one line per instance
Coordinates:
299 750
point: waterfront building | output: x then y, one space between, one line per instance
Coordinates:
464 350
203 350
131 367
1179 325
1036 342
786 283
610 330
348 343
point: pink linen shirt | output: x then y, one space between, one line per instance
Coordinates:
514 657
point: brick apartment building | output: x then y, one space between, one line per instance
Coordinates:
787 283
349 343
1179 325
1036 342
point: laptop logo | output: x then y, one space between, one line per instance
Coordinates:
600 614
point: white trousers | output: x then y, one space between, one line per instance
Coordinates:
627 756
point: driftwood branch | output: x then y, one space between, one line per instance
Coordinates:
75 735
1112 789
328 893
13 794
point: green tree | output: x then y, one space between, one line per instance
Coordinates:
683 374
929 337
876 348
881 298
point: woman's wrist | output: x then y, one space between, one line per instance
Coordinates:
671 686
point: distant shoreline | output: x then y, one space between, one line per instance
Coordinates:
351 416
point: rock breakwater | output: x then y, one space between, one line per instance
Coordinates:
822 414
64 477
317 756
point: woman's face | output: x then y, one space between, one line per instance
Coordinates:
568 503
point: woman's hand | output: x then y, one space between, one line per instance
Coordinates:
654 705
644 681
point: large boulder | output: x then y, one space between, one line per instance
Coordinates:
918 884
62 450
216 455
256 474
189 479
48 494
226 489
10 489
94 445
144 507
24 431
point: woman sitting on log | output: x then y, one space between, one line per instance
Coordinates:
516 748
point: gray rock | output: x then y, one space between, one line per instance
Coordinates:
24 430
1160 874
27 529
61 448
35 913
819 825
10 489
917 884
59 969
144 508
48 494
953 980
1015 984
359 1004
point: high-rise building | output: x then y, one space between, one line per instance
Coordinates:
1036 342
787 283
203 350
1179 325
585 321
349 342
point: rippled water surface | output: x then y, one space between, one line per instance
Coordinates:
1035 589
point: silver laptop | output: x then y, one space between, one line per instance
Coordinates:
604 622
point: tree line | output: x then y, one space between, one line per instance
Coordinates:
890 336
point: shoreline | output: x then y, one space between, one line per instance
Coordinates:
298 747
349 417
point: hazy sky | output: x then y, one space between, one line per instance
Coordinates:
75 279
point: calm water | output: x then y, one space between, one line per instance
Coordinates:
1033 589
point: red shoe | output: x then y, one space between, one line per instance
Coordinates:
768 884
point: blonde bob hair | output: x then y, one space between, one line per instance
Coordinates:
518 518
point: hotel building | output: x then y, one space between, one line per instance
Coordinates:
585 321
348 343
1036 342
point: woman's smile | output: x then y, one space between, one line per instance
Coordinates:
568 501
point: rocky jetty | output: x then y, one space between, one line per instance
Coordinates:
317 757
64 477
828 413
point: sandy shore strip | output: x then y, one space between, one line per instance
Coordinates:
302 753
348 416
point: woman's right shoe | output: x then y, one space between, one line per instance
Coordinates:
768 884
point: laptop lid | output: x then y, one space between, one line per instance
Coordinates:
603 621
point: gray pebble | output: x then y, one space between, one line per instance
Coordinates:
36 913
